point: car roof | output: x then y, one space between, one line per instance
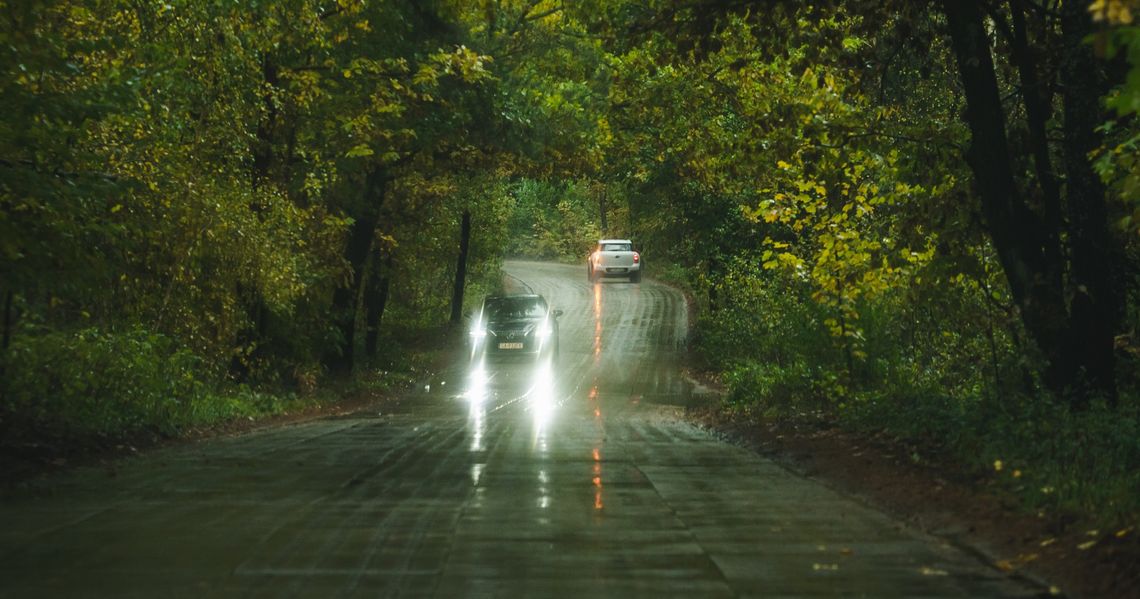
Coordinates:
614 241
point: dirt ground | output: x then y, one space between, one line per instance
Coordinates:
940 498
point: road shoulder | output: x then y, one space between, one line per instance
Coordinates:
942 499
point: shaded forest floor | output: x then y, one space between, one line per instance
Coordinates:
943 499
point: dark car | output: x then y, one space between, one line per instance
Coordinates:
515 325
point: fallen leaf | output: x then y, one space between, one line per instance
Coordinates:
846 551
1048 542
1086 545
824 567
1124 532
927 571
1004 565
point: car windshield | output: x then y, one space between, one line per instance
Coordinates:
515 307
616 247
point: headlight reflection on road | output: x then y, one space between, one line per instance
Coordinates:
476 395
597 323
542 402
598 505
543 490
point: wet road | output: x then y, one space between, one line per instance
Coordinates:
517 481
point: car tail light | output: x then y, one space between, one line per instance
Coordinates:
636 257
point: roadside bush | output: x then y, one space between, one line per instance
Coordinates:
937 368
791 390
762 318
91 386
1084 462
94 383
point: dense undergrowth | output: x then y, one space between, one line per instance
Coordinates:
941 381
68 392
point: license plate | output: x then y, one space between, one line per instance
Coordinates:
510 346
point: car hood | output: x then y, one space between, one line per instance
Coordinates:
524 324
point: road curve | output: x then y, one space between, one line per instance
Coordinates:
511 481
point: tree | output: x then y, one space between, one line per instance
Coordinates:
1076 336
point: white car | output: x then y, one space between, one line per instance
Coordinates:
614 258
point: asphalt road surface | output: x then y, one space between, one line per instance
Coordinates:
577 479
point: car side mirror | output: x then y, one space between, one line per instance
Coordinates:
556 313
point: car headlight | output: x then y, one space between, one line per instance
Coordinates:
478 332
544 330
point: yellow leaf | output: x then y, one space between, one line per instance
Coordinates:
783 165
1087 545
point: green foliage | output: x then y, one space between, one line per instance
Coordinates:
96 383
95 387
193 172
552 221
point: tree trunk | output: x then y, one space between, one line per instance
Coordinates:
375 300
263 146
340 358
1023 244
251 335
8 321
1096 306
1037 101
461 269
602 211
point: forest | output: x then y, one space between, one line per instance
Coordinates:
918 218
